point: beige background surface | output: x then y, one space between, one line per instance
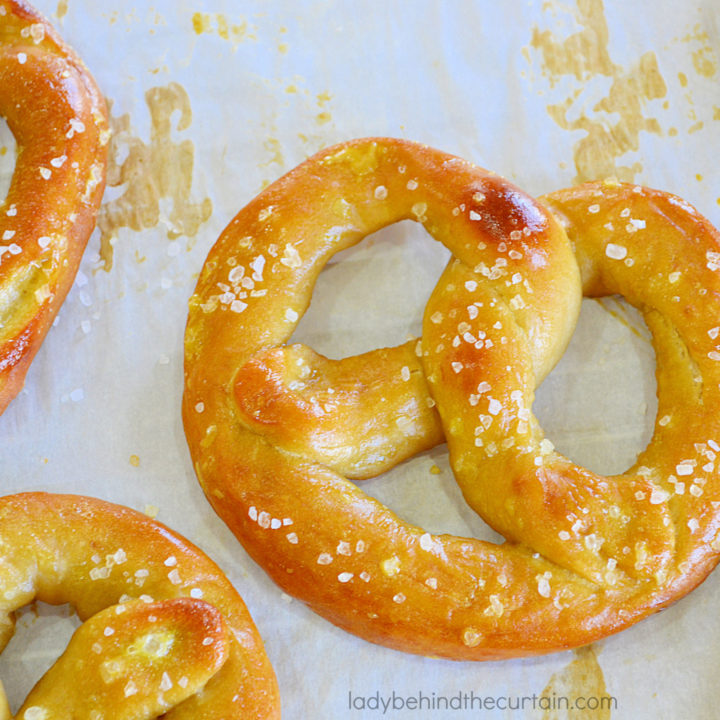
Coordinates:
213 99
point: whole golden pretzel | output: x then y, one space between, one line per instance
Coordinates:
165 632
277 432
59 120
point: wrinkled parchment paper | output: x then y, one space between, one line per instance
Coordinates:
213 99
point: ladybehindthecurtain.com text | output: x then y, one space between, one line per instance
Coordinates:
470 701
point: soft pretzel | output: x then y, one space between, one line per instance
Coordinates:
276 432
59 120
165 632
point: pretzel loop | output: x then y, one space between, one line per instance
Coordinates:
59 120
275 431
164 632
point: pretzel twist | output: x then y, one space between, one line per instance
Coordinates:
59 120
276 432
165 632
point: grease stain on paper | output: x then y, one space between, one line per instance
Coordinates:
216 23
585 56
583 677
704 59
273 146
303 102
156 176
705 62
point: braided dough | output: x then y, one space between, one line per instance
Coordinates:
166 633
59 120
276 432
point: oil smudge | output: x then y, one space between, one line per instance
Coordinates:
705 61
584 55
204 23
583 677
704 58
155 176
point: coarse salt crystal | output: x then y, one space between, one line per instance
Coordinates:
615 252
543 582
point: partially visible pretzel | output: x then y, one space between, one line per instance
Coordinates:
165 632
59 120
276 430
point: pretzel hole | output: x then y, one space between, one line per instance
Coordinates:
42 633
599 403
373 294
8 154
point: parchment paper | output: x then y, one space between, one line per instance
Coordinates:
213 99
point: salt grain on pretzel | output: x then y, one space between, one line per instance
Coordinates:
165 632
278 432
59 120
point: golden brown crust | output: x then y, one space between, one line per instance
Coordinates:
59 120
165 631
275 431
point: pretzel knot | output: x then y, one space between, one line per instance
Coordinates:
165 633
59 120
277 432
